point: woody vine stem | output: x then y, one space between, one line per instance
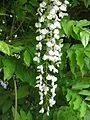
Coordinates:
15 111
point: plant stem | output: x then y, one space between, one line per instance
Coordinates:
15 112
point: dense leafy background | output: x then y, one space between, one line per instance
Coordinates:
17 49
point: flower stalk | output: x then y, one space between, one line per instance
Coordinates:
49 45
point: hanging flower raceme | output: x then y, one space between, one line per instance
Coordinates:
48 56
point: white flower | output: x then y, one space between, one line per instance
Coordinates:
66 2
39 46
63 7
40 69
56 53
54 87
3 21
41 102
45 57
0 30
41 19
56 31
37 25
44 31
43 4
56 8
61 14
40 86
53 93
49 17
11 16
39 38
37 54
42 10
57 24
53 41
15 36
51 58
52 68
58 2
49 44
51 52
52 27
49 77
41 95
56 58
39 12
42 110
52 102
46 89
48 110
58 63
54 79
50 38
4 84
39 77
36 59
52 11
56 36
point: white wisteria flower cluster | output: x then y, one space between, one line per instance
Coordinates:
48 56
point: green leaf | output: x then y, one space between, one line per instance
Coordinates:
87 3
29 116
9 64
80 60
77 103
81 85
34 3
83 109
74 96
66 113
87 115
85 37
23 115
83 23
67 26
72 57
27 58
18 116
76 29
16 49
87 53
85 92
6 106
4 47
69 95
87 98
25 74
55 114
45 117
22 1
87 62
23 91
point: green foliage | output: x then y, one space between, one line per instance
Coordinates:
9 66
27 58
76 102
63 112
78 55
17 49
77 30
4 48
23 115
